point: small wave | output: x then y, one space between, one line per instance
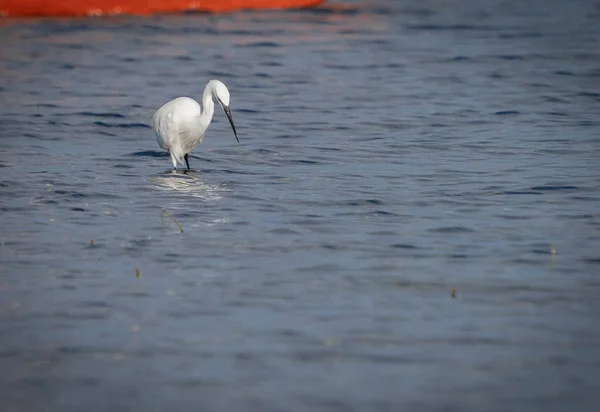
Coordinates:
403 246
69 193
452 229
150 153
123 125
365 202
510 57
283 231
524 35
514 217
593 73
449 27
103 115
266 151
564 73
354 67
553 99
556 188
218 74
521 192
262 44
507 113
271 64
587 123
47 105
332 9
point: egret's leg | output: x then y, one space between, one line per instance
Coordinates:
174 161
185 156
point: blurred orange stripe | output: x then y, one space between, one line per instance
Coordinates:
22 8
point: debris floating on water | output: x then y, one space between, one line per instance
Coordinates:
162 216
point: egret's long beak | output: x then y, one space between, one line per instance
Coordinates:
228 113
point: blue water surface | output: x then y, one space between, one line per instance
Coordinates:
410 222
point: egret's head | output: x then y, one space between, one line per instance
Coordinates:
221 93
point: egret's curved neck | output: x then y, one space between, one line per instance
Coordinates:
201 123
208 106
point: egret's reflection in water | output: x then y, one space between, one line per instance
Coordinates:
189 184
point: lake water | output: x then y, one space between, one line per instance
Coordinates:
410 222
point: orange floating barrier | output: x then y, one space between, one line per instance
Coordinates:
30 8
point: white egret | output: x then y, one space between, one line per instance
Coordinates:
180 124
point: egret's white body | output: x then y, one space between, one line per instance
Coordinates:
180 124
